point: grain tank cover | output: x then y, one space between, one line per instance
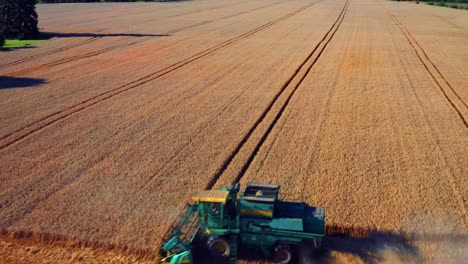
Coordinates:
258 200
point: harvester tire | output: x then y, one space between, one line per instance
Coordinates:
283 254
219 247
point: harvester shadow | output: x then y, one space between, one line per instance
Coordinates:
360 245
7 82
375 247
82 35
367 245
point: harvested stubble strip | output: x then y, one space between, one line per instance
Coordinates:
69 243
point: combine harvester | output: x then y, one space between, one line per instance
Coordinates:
219 222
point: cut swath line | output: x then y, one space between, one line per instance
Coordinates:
426 66
69 59
252 10
209 9
55 117
49 52
325 41
435 67
188 27
99 52
451 179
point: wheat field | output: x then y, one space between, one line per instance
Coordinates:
359 106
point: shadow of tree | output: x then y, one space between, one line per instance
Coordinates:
7 82
163 1
125 1
78 35
18 48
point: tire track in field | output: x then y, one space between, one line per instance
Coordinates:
177 15
198 130
123 45
431 62
420 54
55 117
43 180
49 52
208 9
69 59
252 10
451 179
105 50
435 67
150 11
449 22
298 76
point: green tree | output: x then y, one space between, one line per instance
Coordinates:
26 19
8 10
2 39
18 18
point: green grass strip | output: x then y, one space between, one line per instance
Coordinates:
19 43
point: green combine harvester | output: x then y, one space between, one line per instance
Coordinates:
219 222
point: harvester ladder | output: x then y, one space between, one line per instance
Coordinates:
233 244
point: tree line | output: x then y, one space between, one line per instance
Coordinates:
431 1
91 1
18 19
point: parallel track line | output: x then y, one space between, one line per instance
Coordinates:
14 63
105 50
451 179
49 52
435 67
53 118
325 41
426 66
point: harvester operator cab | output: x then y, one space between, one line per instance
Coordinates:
216 207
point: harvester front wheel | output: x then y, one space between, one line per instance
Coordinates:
218 247
283 254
